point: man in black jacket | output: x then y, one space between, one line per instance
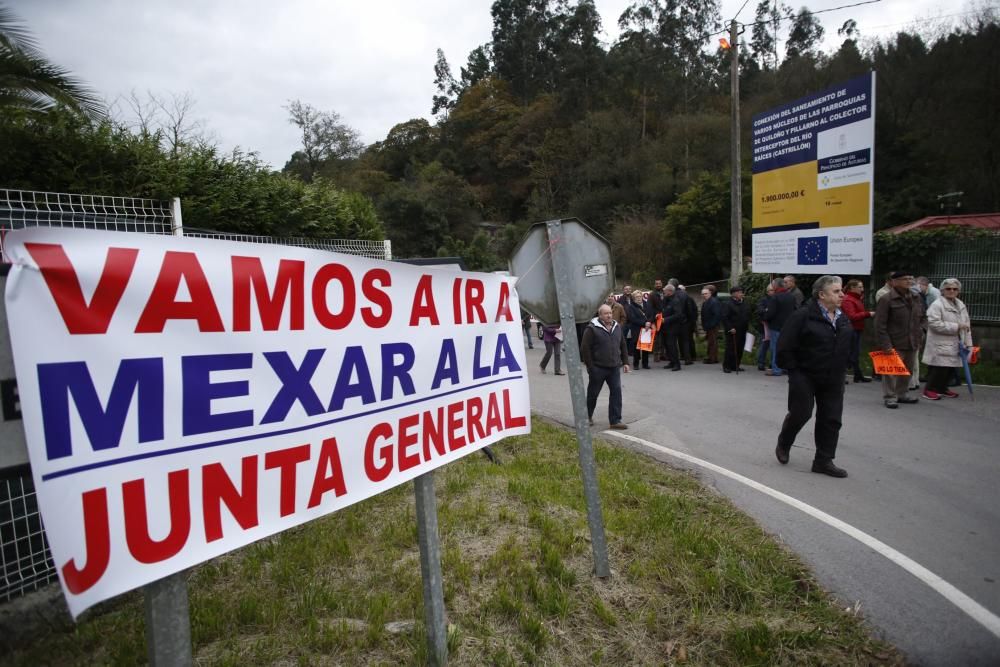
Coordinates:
814 346
674 320
603 351
779 308
735 320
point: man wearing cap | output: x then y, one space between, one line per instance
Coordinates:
813 348
899 321
735 320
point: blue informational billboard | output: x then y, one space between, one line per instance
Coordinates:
813 168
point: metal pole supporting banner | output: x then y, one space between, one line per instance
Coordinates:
168 626
735 193
561 270
430 570
168 622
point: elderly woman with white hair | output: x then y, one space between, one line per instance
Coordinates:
947 325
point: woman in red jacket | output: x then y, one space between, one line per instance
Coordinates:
854 308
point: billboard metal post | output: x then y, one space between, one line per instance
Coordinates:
168 625
564 288
430 570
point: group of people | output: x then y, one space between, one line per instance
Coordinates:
660 325
814 342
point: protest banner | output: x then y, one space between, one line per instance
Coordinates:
888 363
182 397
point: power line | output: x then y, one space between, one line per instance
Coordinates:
787 18
741 9
932 19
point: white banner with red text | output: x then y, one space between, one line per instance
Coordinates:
185 397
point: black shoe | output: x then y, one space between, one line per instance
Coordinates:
726 370
827 468
559 373
676 368
891 405
908 400
645 368
760 368
861 378
782 454
688 363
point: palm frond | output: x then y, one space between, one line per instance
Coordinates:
28 80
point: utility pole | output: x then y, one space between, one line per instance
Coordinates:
735 195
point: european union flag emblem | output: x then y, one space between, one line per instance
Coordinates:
812 250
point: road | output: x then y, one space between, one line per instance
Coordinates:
918 549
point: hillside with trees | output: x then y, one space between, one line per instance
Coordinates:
547 120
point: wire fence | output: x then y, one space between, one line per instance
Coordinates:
976 264
24 554
360 247
25 208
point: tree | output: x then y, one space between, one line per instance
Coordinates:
522 37
446 86
805 34
326 141
696 229
478 67
764 36
29 81
61 150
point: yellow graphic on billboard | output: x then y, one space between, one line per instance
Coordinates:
791 196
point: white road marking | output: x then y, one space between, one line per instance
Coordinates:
979 613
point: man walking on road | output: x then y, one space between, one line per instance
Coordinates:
899 320
603 351
813 348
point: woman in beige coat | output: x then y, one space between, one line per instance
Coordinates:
947 324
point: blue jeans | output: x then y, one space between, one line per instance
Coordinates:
612 376
527 336
765 345
775 334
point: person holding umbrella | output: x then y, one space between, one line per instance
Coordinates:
948 327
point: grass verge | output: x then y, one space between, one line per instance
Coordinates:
694 581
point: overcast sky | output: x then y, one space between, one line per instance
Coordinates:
370 61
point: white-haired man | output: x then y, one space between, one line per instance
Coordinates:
813 348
